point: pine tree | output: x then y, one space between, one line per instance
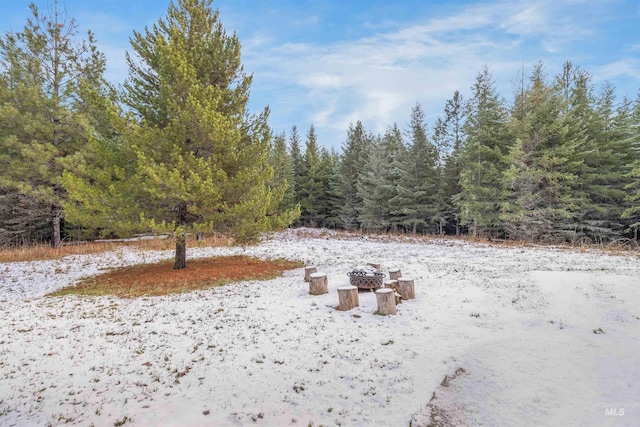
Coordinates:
379 181
44 69
416 202
598 159
297 166
322 175
631 128
355 153
283 178
23 218
482 157
450 132
605 167
539 178
315 183
374 213
333 219
201 161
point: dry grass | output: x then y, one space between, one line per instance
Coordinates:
44 252
621 246
162 279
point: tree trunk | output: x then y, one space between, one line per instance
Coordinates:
56 218
181 239
181 252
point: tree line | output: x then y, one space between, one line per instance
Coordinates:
176 150
559 163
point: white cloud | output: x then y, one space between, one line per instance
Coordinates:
627 67
378 78
321 81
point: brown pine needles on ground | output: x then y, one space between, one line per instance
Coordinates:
161 279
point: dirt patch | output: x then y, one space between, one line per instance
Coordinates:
161 279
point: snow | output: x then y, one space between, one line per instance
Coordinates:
524 336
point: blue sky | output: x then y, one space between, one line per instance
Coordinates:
330 63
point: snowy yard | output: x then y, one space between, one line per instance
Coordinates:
526 336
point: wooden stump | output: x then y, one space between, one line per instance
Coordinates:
318 284
395 273
391 284
308 271
406 288
348 298
386 301
374 265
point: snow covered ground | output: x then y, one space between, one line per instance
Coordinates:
495 336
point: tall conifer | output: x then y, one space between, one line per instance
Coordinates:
201 161
45 68
482 157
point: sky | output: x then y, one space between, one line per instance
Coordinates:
332 63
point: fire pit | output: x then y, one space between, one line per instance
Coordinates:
366 278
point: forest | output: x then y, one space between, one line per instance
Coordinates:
175 149
559 163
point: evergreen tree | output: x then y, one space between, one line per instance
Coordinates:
355 153
539 178
395 151
605 167
379 181
482 157
333 220
201 161
374 212
283 178
322 175
315 186
297 165
416 202
599 158
450 132
310 187
23 219
631 128
44 69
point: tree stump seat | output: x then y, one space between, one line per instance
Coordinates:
386 301
318 284
308 271
406 288
395 273
347 298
